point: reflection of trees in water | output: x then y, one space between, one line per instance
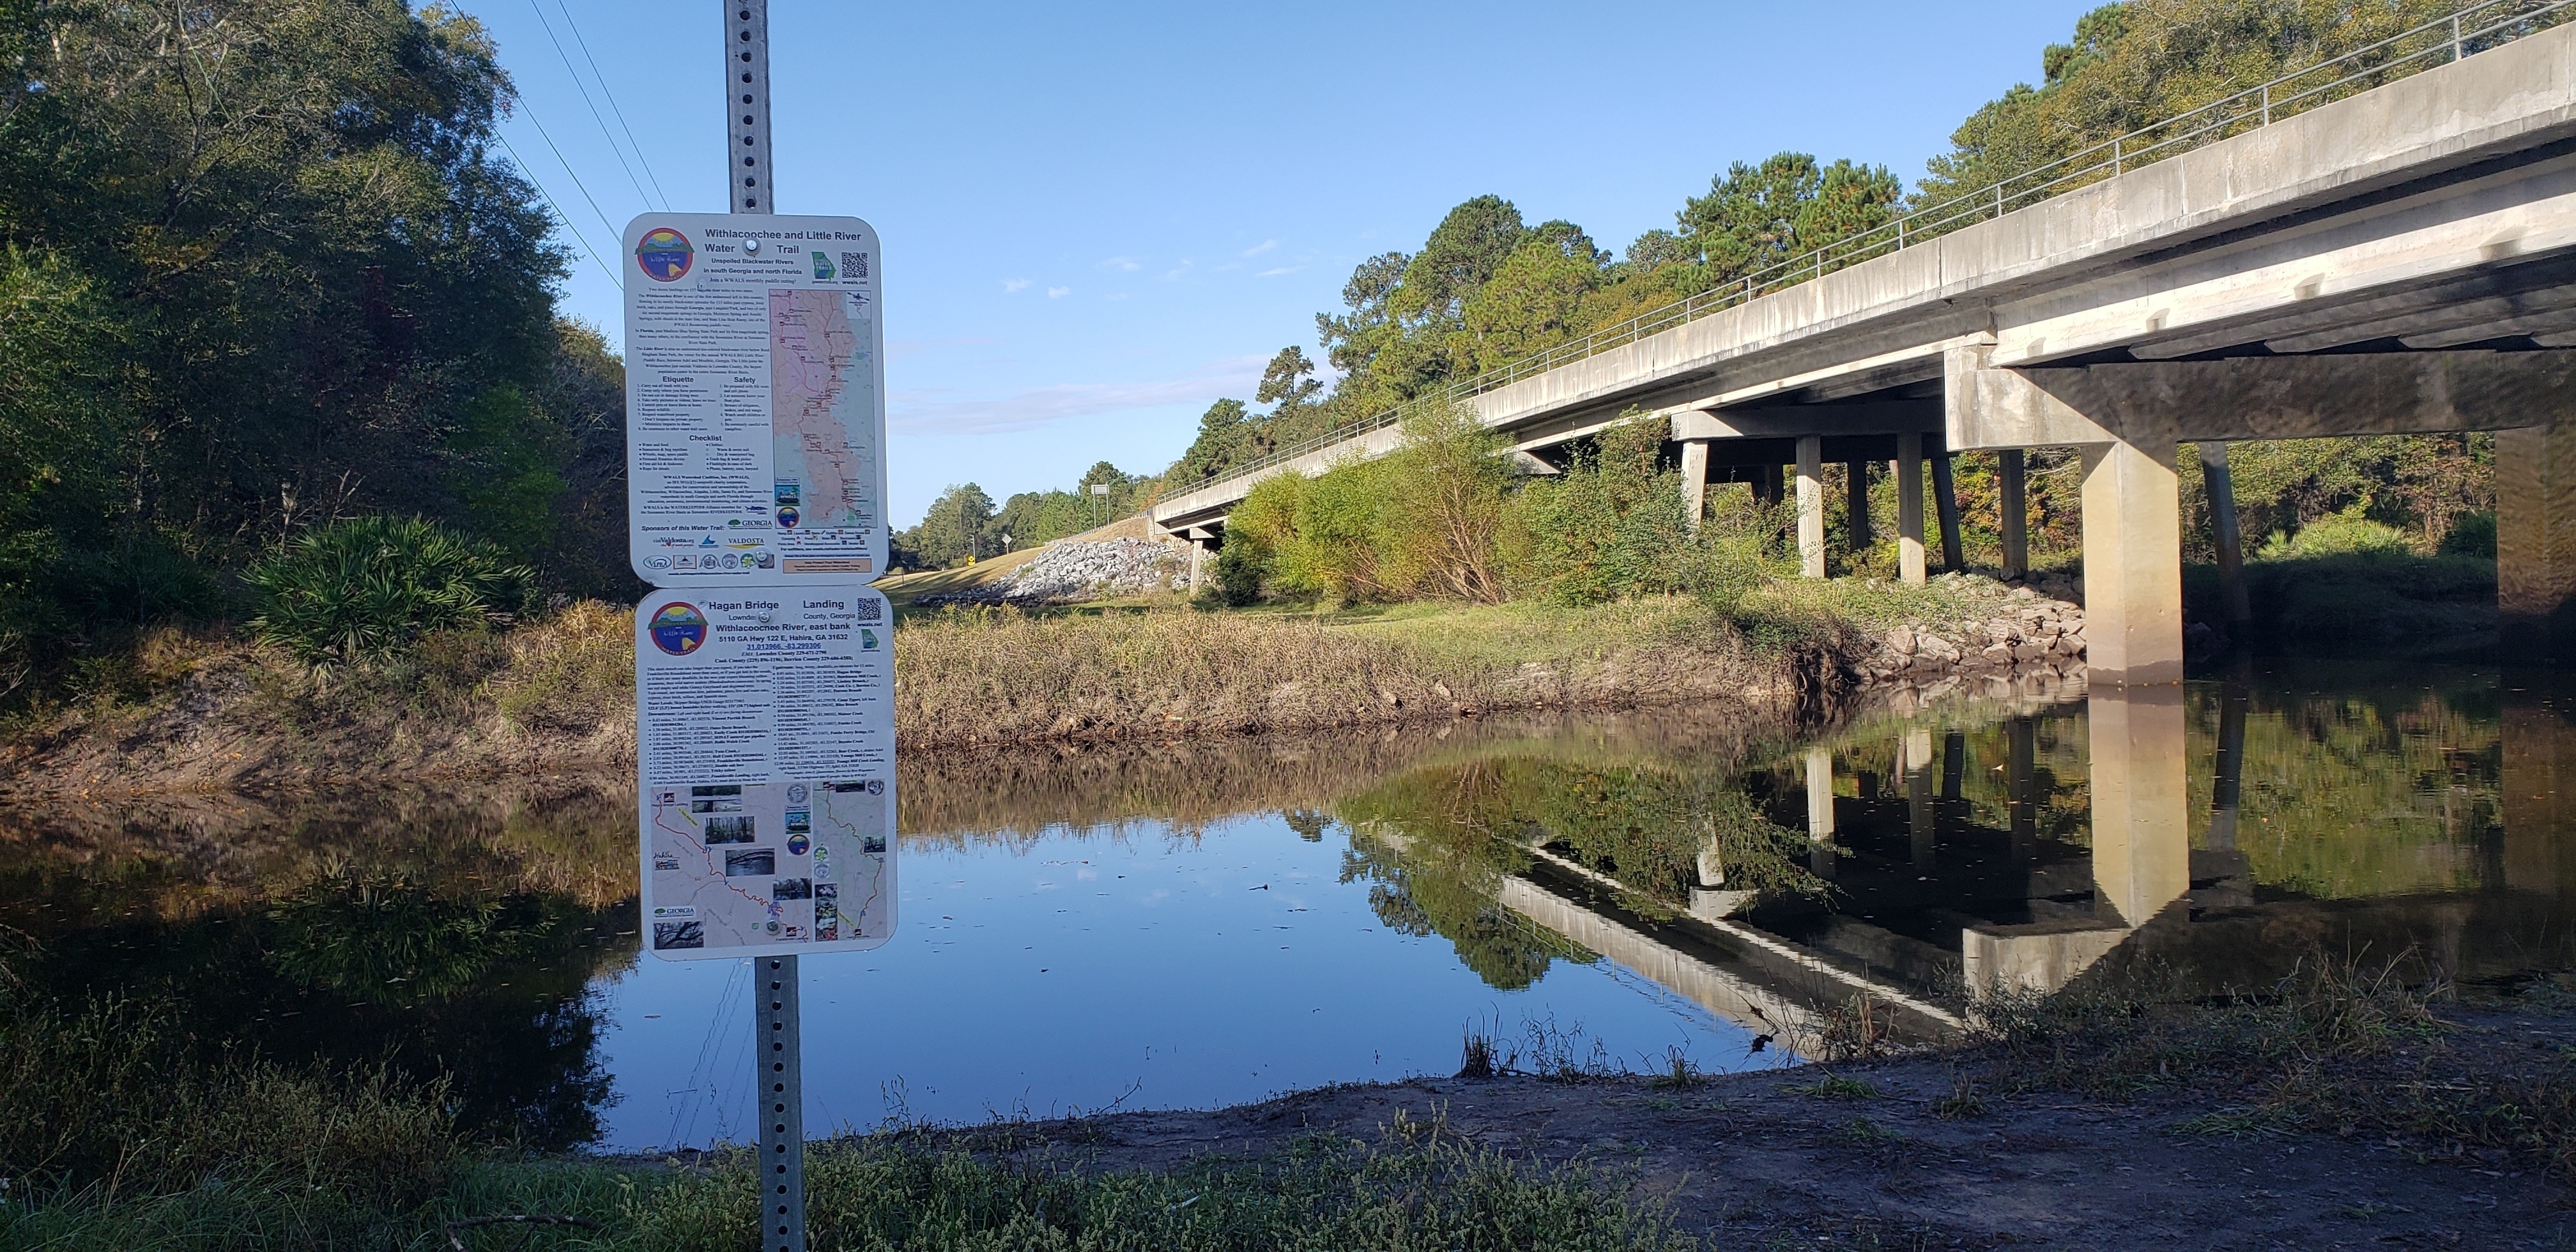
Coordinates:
455 940
1436 842
2363 790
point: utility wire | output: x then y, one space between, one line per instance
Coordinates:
578 185
579 86
560 215
640 158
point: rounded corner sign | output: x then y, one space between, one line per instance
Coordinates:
764 737
755 400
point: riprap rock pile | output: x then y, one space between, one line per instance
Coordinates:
1073 570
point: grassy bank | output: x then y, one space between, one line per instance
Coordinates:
108 1144
557 693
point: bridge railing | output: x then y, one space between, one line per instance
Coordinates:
2470 29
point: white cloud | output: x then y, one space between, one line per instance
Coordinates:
1058 293
1122 264
1179 273
1014 284
944 411
1274 273
1259 248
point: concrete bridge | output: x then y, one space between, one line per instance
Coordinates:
2402 260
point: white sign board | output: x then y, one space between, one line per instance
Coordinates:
755 399
765 749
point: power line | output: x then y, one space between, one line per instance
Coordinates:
578 185
640 158
577 85
560 215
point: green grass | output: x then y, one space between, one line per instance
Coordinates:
887 1193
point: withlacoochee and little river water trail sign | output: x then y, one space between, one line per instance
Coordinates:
755 399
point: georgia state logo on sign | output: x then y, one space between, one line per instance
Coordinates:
664 254
678 629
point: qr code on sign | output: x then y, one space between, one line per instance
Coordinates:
854 265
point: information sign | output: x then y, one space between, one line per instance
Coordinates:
765 750
755 399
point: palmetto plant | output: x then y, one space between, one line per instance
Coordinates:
367 586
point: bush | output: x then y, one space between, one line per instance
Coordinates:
2336 534
2471 534
1240 565
1613 528
369 586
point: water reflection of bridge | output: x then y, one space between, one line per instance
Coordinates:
1931 901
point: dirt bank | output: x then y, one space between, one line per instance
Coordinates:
1887 1154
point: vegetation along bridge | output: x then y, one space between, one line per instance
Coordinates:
2347 251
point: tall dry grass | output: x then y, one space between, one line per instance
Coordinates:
987 677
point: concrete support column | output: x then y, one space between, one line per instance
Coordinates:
1856 504
2132 564
1198 565
2221 486
1694 483
1811 506
2141 831
1909 508
2539 798
2013 486
1820 810
2021 786
1945 505
1918 797
2535 470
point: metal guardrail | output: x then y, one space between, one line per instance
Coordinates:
2471 29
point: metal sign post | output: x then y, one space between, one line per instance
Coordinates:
782 1033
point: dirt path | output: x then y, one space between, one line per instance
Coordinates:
1766 1159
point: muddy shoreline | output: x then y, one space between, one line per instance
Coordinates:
1885 1157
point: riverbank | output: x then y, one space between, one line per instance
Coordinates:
2347 1107
557 695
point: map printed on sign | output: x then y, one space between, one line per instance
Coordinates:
765 747
755 384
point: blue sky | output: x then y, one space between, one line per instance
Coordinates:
1097 220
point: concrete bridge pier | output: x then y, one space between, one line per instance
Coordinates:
1694 483
2013 492
2535 470
1909 508
1820 810
1856 504
1811 506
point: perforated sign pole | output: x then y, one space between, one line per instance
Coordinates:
781 1045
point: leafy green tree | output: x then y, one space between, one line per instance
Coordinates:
290 272
1534 300
951 531
1756 216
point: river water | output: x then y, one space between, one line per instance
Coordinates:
1201 924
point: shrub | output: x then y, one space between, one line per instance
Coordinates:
2472 534
368 586
2336 534
1612 528
1240 565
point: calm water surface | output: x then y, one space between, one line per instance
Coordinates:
1199 925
